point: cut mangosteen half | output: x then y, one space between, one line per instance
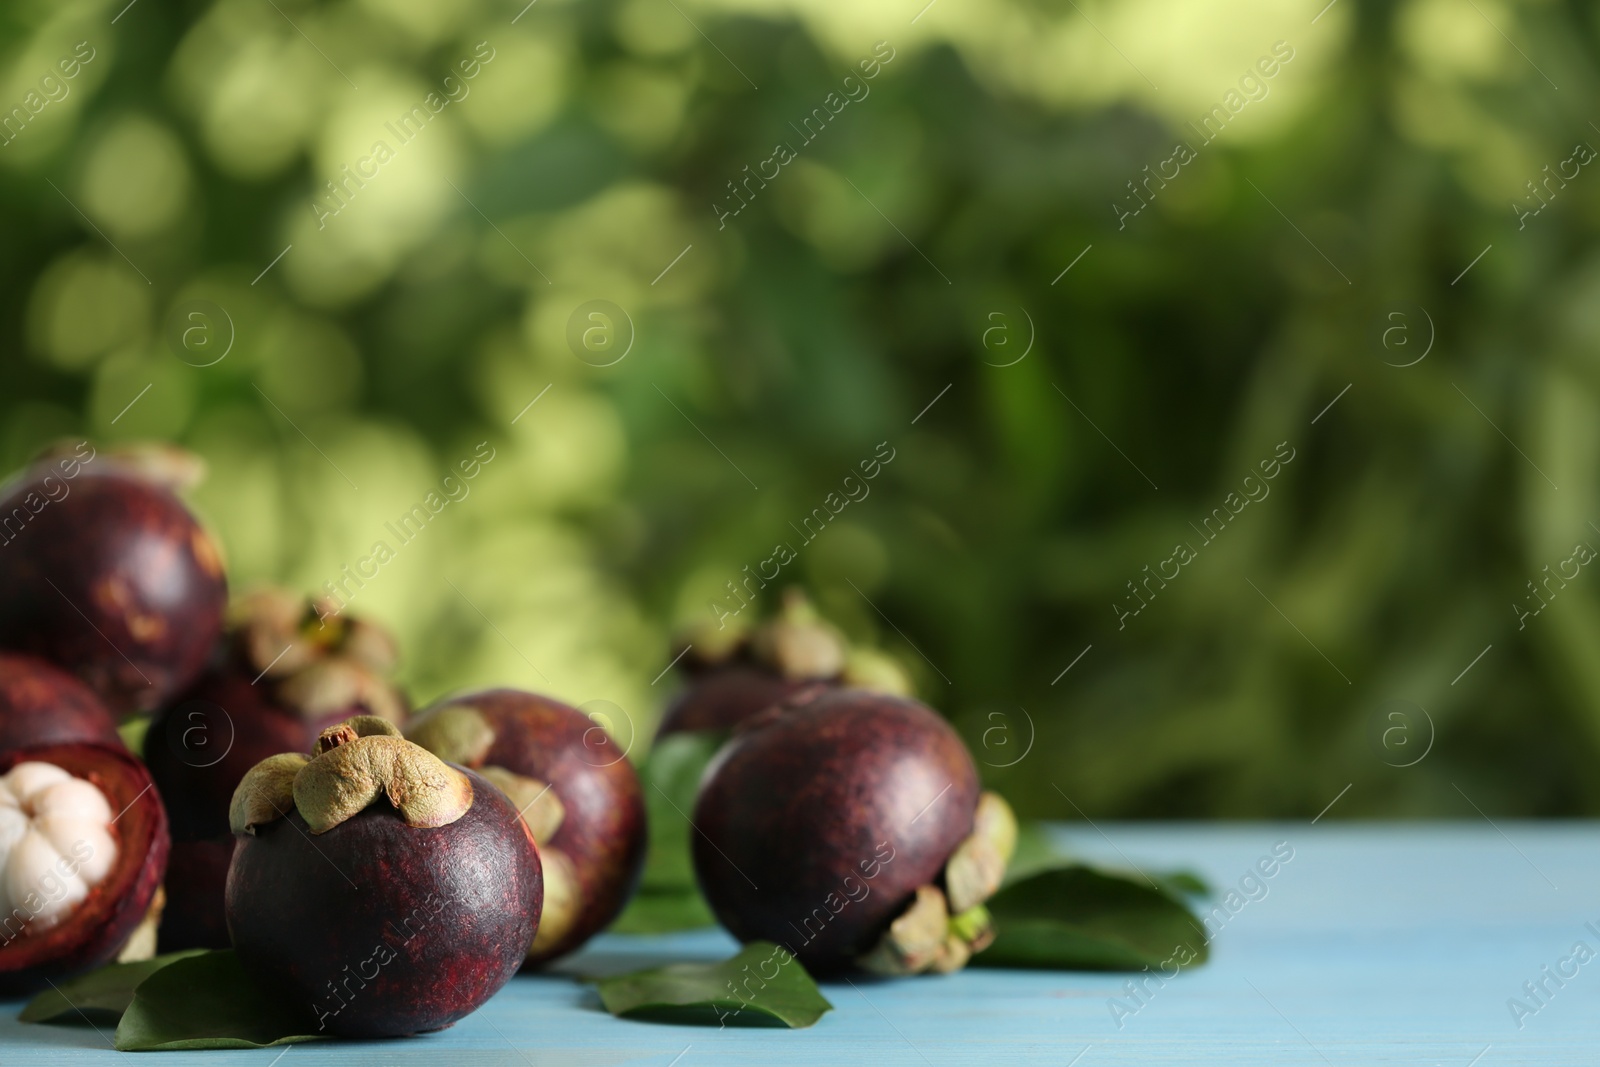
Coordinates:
83 848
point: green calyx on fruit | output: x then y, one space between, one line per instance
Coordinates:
458 733
141 944
537 802
562 904
942 927
353 764
266 792
867 668
319 661
978 864
914 939
798 644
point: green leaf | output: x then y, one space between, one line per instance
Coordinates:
1186 883
1036 851
1078 918
101 996
668 898
733 992
133 733
671 777
207 1001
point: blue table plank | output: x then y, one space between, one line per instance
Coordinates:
1373 945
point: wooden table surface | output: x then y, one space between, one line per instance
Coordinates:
1375 944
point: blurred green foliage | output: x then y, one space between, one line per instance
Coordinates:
864 279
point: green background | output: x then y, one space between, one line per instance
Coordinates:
1085 421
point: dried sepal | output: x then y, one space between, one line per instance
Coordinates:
973 873
266 792
382 699
562 904
347 777
940 931
268 606
371 645
321 661
877 672
458 733
534 800
995 820
141 944
322 688
951 956
268 623
978 865
913 941
274 654
352 765
798 644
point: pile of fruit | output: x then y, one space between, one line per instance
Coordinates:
180 773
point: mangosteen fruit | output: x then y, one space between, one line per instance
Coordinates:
575 788
107 574
387 891
734 673
850 827
83 847
287 669
41 704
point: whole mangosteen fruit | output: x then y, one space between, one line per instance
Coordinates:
849 826
107 574
83 846
41 704
575 788
288 668
734 673
385 890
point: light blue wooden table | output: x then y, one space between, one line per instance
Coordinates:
1377 944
